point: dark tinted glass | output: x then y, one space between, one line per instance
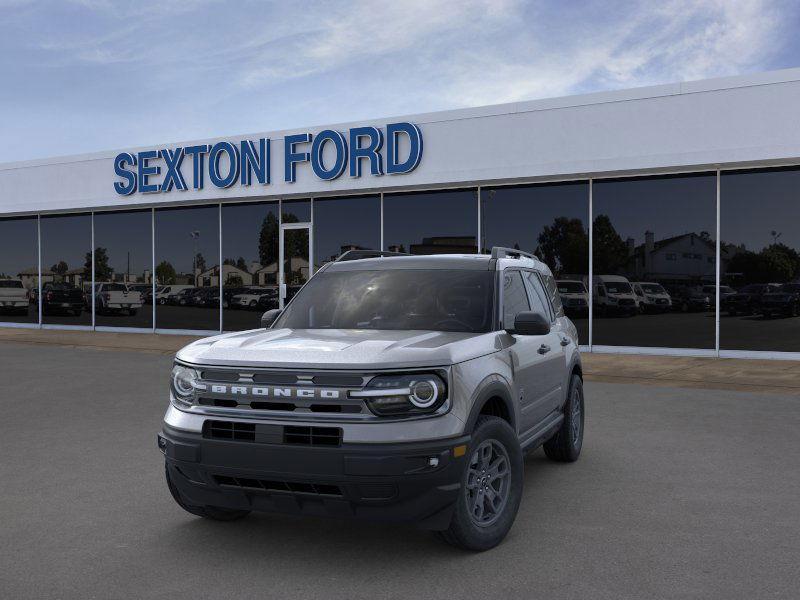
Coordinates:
515 298
296 211
123 265
657 230
400 299
19 270
760 233
431 223
66 261
552 221
250 263
187 256
342 224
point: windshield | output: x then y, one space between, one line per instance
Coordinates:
10 283
617 287
571 287
653 288
434 300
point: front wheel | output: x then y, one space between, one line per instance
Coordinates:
491 488
566 444
215 513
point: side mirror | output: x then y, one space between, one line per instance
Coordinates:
268 318
531 323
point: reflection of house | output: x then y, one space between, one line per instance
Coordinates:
73 276
467 244
266 275
210 277
686 257
30 277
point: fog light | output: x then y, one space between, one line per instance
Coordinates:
433 461
162 443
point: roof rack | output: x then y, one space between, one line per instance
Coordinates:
500 252
359 254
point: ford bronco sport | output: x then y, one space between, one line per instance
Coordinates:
399 388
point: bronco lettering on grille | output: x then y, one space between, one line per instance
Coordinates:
274 392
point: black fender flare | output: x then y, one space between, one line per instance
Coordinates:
491 387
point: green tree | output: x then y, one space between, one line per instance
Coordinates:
268 241
199 262
102 270
610 250
564 246
165 273
241 263
60 268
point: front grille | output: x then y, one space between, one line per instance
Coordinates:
312 436
290 487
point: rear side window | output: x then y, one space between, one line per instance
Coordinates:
551 288
515 299
537 295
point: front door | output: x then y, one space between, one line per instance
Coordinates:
294 264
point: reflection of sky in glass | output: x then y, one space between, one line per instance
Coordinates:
408 218
124 234
756 204
345 221
18 246
667 206
66 238
517 215
174 241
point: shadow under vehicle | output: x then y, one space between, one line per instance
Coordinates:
690 299
14 298
61 298
747 301
783 302
651 297
574 297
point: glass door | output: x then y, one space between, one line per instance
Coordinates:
294 265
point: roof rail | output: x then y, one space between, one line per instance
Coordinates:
500 252
359 254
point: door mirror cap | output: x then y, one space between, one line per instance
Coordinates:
530 323
269 317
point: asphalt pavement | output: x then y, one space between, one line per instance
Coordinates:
679 493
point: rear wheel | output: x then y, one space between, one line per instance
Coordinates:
566 444
491 488
207 512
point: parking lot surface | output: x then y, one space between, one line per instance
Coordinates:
680 493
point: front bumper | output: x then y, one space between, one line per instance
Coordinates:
387 482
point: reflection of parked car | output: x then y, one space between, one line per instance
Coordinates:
690 299
250 297
747 301
613 294
725 291
651 297
206 297
574 296
145 289
268 301
115 297
784 301
163 294
181 297
13 296
61 297
228 293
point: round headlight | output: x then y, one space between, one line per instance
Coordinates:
423 393
183 379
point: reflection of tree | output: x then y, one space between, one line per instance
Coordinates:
610 252
564 246
165 273
102 270
777 263
268 240
60 268
200 262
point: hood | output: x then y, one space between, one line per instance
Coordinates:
339 348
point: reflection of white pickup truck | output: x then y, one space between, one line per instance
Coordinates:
116 297
13 296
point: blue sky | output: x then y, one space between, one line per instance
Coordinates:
85 75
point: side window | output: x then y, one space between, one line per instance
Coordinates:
537 294
515 299
552 292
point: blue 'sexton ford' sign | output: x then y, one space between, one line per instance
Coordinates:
226 163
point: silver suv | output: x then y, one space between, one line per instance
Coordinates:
399 388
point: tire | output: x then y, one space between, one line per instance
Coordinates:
465 530
253 303
215 513
566 444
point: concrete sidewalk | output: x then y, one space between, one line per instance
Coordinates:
772 376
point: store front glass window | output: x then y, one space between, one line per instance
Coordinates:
342 224
19 270
654 261
123 265
551 221
67 269
249 263
187 269
760 260
443 222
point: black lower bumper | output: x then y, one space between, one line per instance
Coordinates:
401 482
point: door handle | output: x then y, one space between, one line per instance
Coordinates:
565 341
544 349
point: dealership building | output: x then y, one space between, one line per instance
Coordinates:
670 216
